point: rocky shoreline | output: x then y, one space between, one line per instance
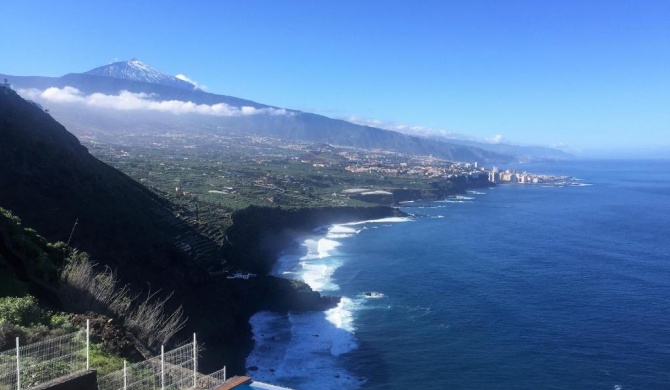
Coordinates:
257 236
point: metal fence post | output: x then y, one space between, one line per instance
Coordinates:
224 373
162 367
88 344
18 366
125 378
195 362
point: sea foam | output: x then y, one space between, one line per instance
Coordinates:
301 350
341 316
319 248
381 220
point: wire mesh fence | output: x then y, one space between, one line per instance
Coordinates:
175 369
8 373
35 364
203 382
212 380
28 366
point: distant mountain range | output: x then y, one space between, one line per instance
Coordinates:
520 152
90 102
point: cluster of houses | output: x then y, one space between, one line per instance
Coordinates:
511 176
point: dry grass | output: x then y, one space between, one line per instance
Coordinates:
83 289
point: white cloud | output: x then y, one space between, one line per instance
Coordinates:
65 95
126 100
404 128
188 80
496 139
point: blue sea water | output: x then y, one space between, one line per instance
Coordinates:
512 287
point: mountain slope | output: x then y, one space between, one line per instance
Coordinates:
50 180
136 70
520 152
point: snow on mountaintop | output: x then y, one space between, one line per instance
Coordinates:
136 70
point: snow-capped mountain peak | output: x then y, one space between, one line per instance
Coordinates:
137 70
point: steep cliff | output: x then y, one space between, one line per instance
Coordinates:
259 233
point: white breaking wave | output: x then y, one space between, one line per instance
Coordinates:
316 267
318 249
302 350
299 351
461 197
320 276
381 220
326 246
342 317
341 231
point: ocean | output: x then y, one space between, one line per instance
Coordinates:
511 287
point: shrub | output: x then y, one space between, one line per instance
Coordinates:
22 311
61 321
103 361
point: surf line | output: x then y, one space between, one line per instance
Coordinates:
284 343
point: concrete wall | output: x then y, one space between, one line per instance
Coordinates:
85 380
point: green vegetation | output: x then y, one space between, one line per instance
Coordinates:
61 321
102 361
207 179
23 317
37 259
21 311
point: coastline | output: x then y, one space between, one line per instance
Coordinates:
257 238
286 343
260 235
457 320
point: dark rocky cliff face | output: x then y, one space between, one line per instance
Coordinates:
259 233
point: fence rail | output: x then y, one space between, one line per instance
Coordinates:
31 365
28 366
172 370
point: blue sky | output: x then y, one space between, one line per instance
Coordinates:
587 74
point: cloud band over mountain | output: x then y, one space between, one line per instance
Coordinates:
127 101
